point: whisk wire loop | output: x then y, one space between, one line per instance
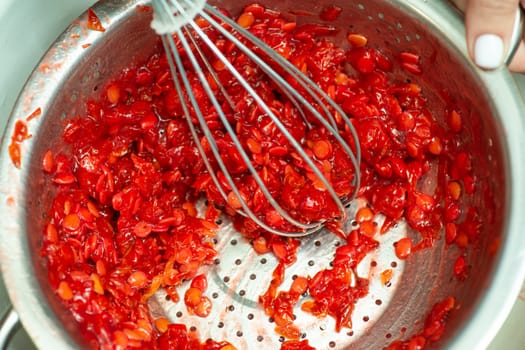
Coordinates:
299 101
215 150
175 62
320 96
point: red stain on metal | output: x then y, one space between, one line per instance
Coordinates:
94 22
20 134
144 8
37 112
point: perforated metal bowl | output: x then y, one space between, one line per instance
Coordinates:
79 63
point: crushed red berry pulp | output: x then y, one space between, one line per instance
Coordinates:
124 222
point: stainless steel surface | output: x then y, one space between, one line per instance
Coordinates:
492 98
516 36
195 41
8 326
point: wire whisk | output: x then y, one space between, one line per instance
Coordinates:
188 46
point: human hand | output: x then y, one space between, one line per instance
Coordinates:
489 25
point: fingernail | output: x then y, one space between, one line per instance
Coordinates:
489 51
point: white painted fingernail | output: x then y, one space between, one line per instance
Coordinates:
489 51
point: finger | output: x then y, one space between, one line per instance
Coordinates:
489 25
518 62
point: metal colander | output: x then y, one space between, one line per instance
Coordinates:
239 276
79 64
